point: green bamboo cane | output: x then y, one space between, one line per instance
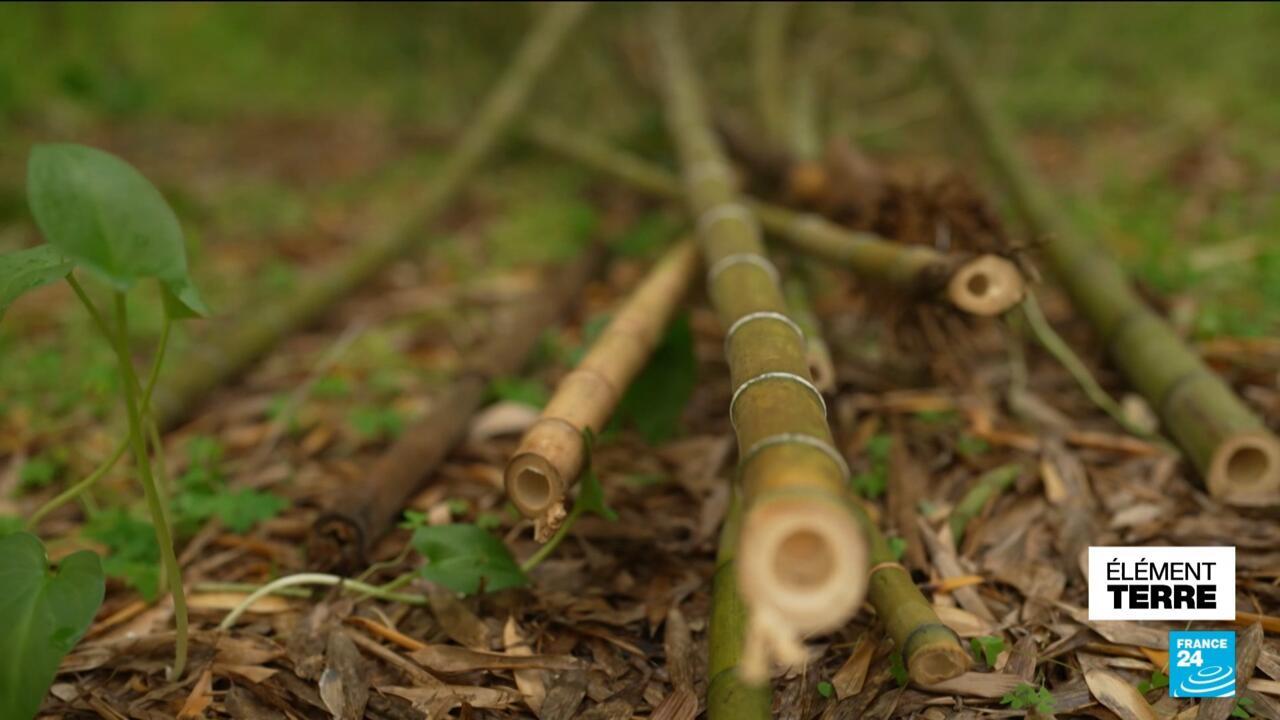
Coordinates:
802 560
990 485
213 364
1235 453
982 285
729 697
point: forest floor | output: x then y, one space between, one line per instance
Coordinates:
618 616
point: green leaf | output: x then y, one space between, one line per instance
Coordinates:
519 390
10 524
898 669
29 269
102 213
897 546
1026 696
241 509
181 299
465 558
826 689
45 613
1158 680
987 649
1240 709
134 556
657 397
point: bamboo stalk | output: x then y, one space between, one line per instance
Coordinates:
1235 453
729 697
356 518
818 355
930 650
982 285
258 330
549 457
802 558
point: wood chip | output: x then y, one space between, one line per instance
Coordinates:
849 679
451 659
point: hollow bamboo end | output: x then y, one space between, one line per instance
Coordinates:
533 484
987 285
1246 468
937 663
807 559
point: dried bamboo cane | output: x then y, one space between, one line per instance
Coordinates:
728 696
930 650
257 331
550 454
364 512
1235 453
983 285
802 557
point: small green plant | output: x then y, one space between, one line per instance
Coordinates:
100 215
203 494
1029 697
898 668
1241 709
132 554
871 483
658 395
376 423
897 546
1158 680
519 390
47 611
40 471
987 649
826 689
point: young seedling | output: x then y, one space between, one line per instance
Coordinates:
1029 697
101 216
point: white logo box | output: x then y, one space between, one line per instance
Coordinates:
1162 583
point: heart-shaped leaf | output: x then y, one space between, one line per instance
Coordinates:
29 269
461 557
44 613
102 213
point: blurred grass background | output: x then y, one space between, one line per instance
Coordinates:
266 124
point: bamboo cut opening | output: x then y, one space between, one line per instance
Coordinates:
532 484
1244 467
806 559
987 285
938 664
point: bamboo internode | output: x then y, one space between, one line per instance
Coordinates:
729 697
550 454
801 554
1238 457
986 285
212 364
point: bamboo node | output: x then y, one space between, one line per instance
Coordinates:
729 261
727 211
886 566
775 375
796 439
761 315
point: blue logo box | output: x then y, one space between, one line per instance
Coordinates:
1202 664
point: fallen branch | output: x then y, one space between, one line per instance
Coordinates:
257 330
1238 457
360 515
551 452
982 285
802 558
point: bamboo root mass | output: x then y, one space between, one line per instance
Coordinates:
985 285
550 455
1231 448
801 554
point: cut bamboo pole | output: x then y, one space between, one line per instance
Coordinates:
362 513
1235 453
729 697
256 331
549 457
930 650
983 285
802 558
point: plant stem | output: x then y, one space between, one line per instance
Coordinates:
74 491
315 579
551 545
138 440
88 482
990 485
